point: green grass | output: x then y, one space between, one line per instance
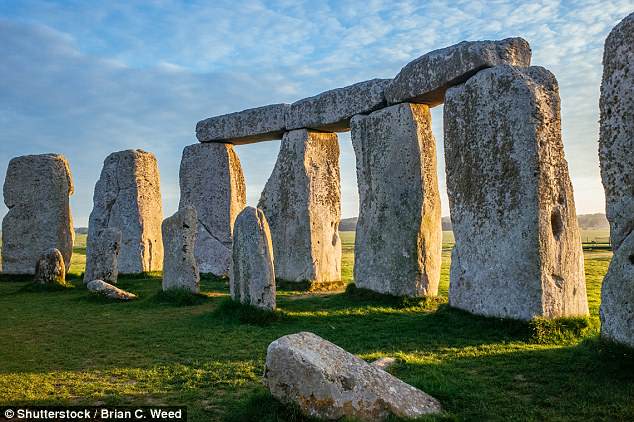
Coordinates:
65 347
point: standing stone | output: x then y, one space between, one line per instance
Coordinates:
301 201
518 249
616 146
252 276
101 256
399 235
36 191
128 197
50 268
327 382
180 270
211 181
426 79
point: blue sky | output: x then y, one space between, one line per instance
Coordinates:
88 78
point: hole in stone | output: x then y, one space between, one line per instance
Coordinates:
632 259
556 223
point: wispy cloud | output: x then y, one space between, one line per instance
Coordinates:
88 78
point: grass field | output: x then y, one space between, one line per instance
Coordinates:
66 347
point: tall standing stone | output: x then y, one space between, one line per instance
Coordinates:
128 197
301 201
101 256
399 235
518 249
252 276
36 191
211 181
180 270
616 154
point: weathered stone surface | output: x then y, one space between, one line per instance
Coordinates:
211 181
252 275
384 363
101 256
616 142
36 191
332 110
301 201
244 127
50 268
180 270
128 197
426 79
616 146
518 249
109 291
327 382
399 234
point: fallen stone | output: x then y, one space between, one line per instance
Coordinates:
332 110
301 201
518 250
180 270
399 233
50 268
211 181
426 79
252 275
616 141
384 363
36 192
101 256
109 291
327 382
128 197
616 144
244 127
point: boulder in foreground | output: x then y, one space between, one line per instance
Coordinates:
327 382
109 291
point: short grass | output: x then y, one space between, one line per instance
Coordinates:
66 347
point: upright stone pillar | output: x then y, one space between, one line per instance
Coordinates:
616 154
180 270
128 197
518 250
252 275
399 235
36 191
211 181
301 201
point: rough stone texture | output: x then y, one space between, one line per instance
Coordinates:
211 181
244 127
301 201
50 268
252 275
332 110
128 197
518 249
109 291
36 191
180 270
426 79
399 234
616 144
384 363
327 382
101 256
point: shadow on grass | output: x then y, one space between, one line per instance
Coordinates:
230 311
39 288
179 297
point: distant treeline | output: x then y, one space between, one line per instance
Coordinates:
586 221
